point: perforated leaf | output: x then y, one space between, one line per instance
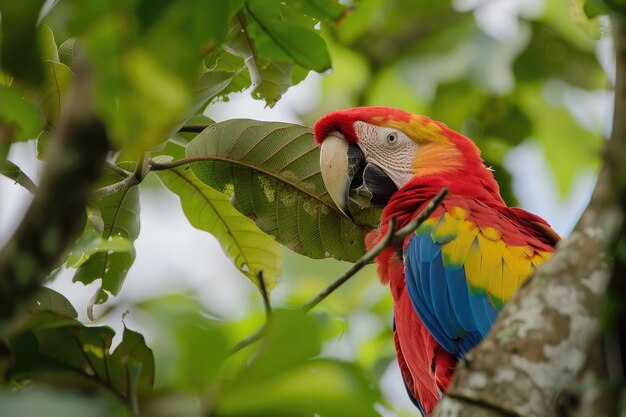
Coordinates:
207 209
271 170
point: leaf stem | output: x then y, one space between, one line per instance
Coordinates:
264 294
161 166
118 170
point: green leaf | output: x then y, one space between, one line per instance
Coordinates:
300 44
285 380
320 9
19 119
270 80
49 50
91 243
189 347
69 354
120 213
47 299
223 73
271 171
206 209
49 95
67 51
42 144
132 362
12 171
20 51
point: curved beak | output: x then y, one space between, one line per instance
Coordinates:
347 176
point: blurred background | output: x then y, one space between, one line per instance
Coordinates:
519 77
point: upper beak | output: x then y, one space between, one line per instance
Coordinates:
347 176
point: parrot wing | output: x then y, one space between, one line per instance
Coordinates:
464 263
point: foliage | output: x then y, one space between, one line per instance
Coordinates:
155 69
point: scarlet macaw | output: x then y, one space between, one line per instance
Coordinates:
455 273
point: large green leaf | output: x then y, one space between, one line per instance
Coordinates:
278 38
206 209
120 213
271 170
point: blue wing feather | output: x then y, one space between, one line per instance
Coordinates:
440 297
457 285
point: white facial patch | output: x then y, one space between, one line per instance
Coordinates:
389 149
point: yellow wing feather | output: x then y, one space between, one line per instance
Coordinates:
491 266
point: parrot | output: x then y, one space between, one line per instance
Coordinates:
453 275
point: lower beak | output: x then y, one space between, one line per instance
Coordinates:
347 176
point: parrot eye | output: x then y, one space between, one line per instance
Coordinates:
392 138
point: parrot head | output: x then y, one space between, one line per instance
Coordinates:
369 153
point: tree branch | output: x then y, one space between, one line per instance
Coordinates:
78 150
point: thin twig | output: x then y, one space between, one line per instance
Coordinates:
365 260
264 294
244 343
160 166
118 170
392 237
